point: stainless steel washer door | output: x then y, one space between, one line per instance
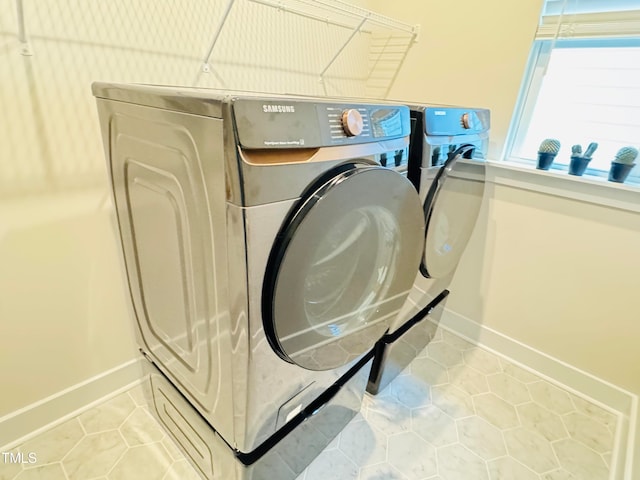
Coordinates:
342 266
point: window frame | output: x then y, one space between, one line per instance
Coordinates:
537 63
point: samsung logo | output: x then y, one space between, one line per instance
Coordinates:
440 112
278 108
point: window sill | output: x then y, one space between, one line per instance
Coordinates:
593 190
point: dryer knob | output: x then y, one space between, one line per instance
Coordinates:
470 121
352 122
465 121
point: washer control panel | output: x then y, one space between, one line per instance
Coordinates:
291 123
347 122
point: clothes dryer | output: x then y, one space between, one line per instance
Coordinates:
266 251
447 166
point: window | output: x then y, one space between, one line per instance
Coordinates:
582 84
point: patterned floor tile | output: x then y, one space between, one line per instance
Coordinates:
580 461
435 426
457 462
181 470
545 422
509 388
141 428
412 456
409 392
445 354
468 379
519 373
52 445
332 465
551 397
457 412
109 415
95 455
453 401
382 471
429 371
150 462
481 437
53 471
9 469
363 444
531 449
390 417
595 412
455 340
483 361
506 468
496 410
588 431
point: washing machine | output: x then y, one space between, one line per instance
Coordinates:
446 165
266 250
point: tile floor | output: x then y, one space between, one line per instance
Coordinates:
457 413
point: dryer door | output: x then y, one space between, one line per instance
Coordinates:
451 209
342 266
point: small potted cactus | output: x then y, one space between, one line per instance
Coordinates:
622 164
580 161
547 152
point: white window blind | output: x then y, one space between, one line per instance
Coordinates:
582 84
558 7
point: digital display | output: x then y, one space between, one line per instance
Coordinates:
386 122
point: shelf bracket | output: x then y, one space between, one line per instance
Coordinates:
25 46
206 68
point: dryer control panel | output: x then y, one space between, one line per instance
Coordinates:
440 121
284 123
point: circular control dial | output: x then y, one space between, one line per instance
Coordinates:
470 121
352 122
465 121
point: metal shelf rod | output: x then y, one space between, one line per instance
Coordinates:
216 35
311 16
343 8
361 12
344 45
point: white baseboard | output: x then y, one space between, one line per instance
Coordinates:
632 471
611 397
19 426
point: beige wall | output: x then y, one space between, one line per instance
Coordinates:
469 53
556 274
560 276
64 314
63 305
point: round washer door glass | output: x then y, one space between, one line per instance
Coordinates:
451 209
342 266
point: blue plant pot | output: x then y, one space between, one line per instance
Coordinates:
578 165
620 171
545 160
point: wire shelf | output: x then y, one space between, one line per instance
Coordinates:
51 51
